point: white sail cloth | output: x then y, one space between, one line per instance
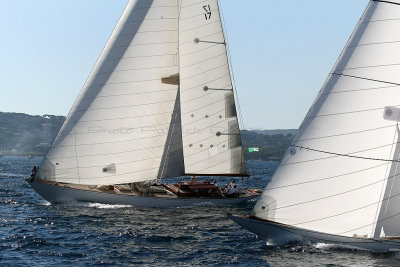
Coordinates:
117 130
125 126
210 130
355 114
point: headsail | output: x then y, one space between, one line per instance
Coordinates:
342 169
210 130
119 129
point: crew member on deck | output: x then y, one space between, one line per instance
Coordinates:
193 180
34 171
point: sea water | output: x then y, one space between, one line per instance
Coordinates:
35 233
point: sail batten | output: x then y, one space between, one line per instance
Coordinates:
335 186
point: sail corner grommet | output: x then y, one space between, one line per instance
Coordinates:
218 134
196 40
205 88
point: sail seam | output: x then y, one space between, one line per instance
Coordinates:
135 150
130 94
119 59
349 112
200 50
332 196
199 27
137 105
201 73
349 133
205 60
127 70
368 67
387 2
143 32
325 179
359 90
368 44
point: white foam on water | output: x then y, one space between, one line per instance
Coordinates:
107 206
326 246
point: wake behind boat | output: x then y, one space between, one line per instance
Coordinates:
158 104
339 180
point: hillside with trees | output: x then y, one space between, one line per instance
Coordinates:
23 134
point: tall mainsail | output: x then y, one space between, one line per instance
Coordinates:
210 131
341 174
125 125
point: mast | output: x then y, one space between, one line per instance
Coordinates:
124 126
340 175
212 143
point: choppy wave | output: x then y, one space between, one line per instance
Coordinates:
107 206
33 232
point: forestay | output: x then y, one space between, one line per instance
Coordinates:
210 130
356 113
125 124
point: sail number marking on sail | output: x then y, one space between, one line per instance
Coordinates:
207 8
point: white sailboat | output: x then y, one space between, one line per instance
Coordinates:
339 181
159 103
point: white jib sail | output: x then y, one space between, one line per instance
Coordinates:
356 113
210 130
119 128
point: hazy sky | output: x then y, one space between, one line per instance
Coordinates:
282 51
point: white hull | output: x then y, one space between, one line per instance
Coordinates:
61 195
280 234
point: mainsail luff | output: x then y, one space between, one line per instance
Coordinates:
119 126
210 130
355 113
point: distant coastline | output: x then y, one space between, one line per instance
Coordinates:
24 135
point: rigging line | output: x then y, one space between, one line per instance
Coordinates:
388 167
77 101
202 37
387 2
209 95
343 213
313 160
207 82
230 66
344 155
318 159
211 42
387 218
344 134
363 78
332 196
